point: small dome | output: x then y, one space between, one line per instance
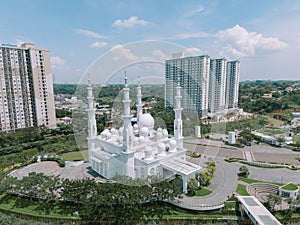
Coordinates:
114 131
146 120
135 140
105 131
108 135
161 147
159 135
165 132
159 129
141 139
144 131
173 144
135 126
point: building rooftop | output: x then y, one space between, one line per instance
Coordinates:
257 212
181 166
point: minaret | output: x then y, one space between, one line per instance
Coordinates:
92 127
139 104
127 128
178 118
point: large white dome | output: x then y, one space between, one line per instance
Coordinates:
146 120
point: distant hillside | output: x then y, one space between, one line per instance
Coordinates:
64 88
264 97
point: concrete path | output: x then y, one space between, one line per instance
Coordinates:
52 169
223 185
248 155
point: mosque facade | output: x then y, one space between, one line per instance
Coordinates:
138 151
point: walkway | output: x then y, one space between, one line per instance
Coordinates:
249 156
52 169
223 185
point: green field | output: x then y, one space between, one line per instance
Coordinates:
241 189
202 192
274 131
252 181
75 156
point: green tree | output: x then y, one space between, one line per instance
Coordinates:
247 135
244 172
273 200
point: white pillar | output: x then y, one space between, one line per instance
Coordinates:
92 127
178 118
127 131
184 184
139 103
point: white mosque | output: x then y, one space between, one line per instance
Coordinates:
138 151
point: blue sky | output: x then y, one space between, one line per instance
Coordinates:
263 35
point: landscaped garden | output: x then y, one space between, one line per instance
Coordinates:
290 187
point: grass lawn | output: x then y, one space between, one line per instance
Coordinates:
271 131
229 205
252 181
202 192
241 189
75 156
290 187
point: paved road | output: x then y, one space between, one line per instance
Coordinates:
224 182
261 152
274 175
52 169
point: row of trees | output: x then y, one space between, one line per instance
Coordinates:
32 134
18 148
93 201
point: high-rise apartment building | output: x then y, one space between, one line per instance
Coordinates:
232 84
26 97
217 85
208 85
192 73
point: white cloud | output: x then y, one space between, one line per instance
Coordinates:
89 33
159 55
239 42
193 51
121 52
131 22
20 42
192 35
98 44
56 61
197 9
